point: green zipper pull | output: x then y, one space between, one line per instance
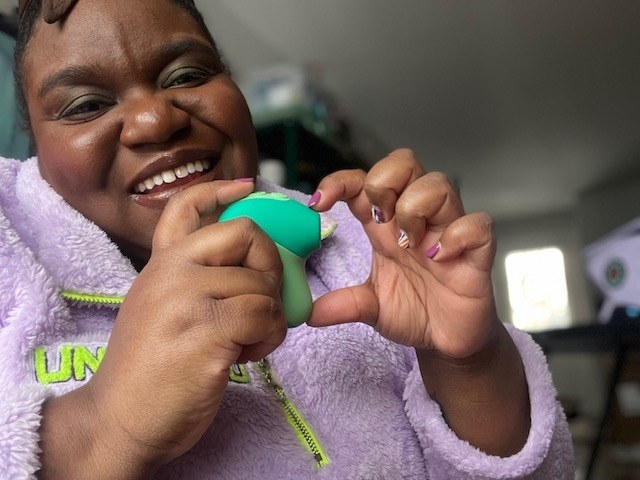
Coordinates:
300 426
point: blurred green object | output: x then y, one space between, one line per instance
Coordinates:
14 143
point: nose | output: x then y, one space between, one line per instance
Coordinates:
152 118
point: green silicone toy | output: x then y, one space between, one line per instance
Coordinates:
295 229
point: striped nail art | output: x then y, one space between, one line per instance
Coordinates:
403 240
377 214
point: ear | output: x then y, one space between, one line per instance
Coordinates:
54 10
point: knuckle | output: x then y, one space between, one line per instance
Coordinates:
276 313
376 190
340 175
486 223
441 180
249 230
443 185
402 153
410 205
245 224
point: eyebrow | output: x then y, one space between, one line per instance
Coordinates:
71 75
180 47
67 76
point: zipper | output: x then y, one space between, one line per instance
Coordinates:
88 298
300 426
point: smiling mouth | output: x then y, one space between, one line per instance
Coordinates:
173 177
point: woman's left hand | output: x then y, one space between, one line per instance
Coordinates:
436 293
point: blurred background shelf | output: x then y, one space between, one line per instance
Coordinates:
607 447
308 150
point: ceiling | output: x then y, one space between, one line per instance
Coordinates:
524 103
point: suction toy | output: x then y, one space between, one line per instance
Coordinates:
295 229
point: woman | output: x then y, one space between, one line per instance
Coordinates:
117 261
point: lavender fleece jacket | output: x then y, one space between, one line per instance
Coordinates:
360 395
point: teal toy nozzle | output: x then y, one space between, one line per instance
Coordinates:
295 229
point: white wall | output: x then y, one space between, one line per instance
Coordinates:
554 230
606 206
577 376
580 376
8 7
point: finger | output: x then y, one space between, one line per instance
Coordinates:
227 282
255 318
252 326
258 351
382 186
184 212
471 235
345 185
429 204
345 305
236 242
388 179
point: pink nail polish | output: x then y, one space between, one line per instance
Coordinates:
315 198
244 180
433 250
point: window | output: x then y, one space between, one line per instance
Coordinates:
537 289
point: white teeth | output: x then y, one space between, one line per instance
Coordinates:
182 172
170 176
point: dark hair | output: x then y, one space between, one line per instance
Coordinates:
27 24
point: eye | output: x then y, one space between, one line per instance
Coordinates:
187 77
85 108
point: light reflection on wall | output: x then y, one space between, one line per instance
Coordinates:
537 287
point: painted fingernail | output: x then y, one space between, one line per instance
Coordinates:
433 250
377 214
315 198
403 240
244 180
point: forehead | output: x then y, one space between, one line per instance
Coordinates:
97 31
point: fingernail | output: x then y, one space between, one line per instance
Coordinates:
315 198
377 214
433 250
403 240
244 180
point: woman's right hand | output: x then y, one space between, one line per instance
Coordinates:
208 297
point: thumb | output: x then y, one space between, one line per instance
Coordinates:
345 305
185 210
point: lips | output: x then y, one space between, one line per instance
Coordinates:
173 176
174 169
172 172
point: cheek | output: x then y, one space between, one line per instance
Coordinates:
84 141
239 127
74 158
235 116
226 111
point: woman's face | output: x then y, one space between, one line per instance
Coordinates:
124 96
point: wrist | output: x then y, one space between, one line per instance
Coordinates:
484 397
76 442
473 364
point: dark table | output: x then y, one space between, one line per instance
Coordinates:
618 337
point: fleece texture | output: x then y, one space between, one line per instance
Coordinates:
360 394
